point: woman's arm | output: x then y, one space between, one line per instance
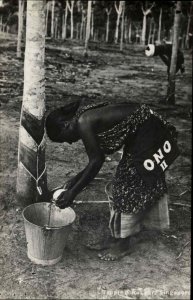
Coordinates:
96 159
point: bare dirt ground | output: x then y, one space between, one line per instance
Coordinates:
159 267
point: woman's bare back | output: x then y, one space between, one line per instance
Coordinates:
104 118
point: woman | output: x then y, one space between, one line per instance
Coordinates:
139 181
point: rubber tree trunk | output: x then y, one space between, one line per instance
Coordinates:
88 27
47 15
172 75
188 31
92 23
1 23
20 27
160 27
118 10
130 31
82 23
52 18
150 31
122 25
144 27
108 12
143 35
71 9
154 31
31 177
64 27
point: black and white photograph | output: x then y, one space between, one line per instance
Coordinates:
95 149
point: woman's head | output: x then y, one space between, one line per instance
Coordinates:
59 125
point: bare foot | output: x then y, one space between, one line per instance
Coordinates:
118 250
101 245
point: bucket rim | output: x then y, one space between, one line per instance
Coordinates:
47 227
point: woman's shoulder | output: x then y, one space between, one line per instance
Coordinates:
87 107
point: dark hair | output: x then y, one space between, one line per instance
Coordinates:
60 118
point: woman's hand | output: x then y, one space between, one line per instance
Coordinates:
65 199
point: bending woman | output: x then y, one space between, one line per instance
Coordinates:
148 149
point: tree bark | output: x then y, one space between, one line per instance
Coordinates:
53 18
172 74
88 27
31 178
160 26
20 27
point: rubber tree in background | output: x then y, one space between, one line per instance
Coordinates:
172 75
188 31
119 11
88 27
64 22
47 15
160 26
71 9
53 18
20 27
31 177
146 12
122 25
108 12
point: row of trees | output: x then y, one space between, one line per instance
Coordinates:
110 21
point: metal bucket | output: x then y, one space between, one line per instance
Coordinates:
46 228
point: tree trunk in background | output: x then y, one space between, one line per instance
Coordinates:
108 12
71 9
130 31
172 75
77 30
126 27
1 23
143 36
64 27
144 28
160 27
150 31
31 177
56 28
92 23
187 45
122 25
88 27
52 19
20 27
154 32
82 23
47 14
118 10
